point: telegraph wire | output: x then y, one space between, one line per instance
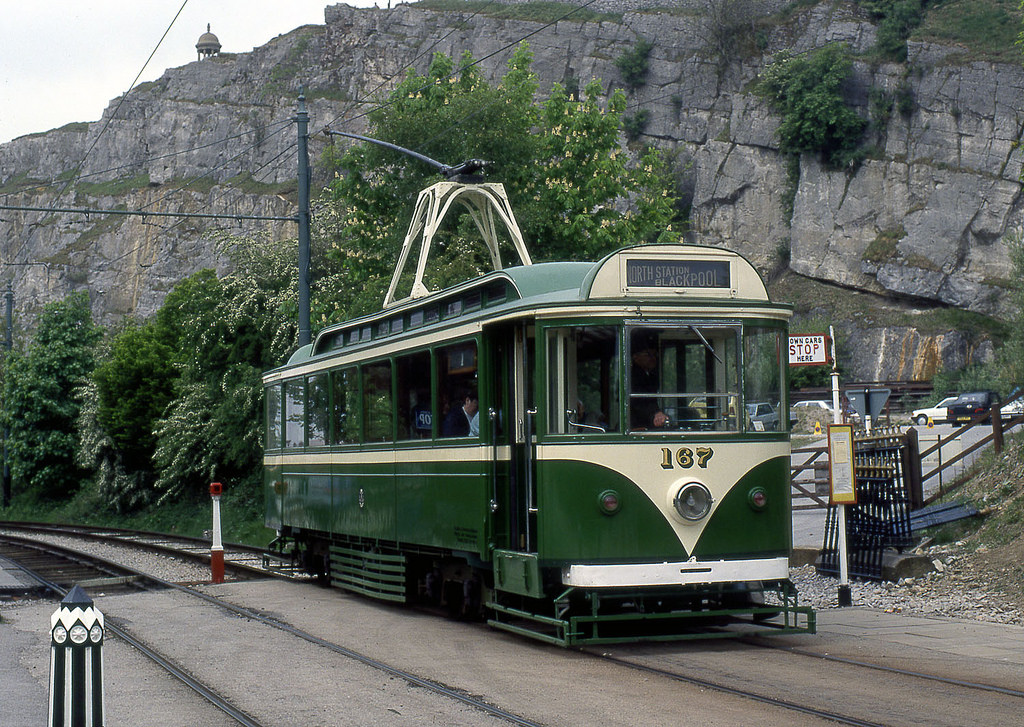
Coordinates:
120 103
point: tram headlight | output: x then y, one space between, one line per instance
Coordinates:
758 498
693 501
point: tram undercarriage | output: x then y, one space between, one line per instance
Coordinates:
576 616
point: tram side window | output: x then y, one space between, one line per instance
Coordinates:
274 430
762 380
684 377
345 412
294 413
377 405
317 409
583 376
415 417
457 390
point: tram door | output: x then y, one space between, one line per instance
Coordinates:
515 487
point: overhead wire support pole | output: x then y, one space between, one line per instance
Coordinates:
302 122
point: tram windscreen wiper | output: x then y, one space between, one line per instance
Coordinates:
707 344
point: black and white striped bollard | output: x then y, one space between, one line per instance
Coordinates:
76 663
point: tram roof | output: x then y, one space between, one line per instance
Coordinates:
647 272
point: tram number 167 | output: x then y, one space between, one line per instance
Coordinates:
686 457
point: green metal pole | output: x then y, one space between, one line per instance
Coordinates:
8 344
302 120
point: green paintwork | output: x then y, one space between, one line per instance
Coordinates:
573 527
373 486
737 530
518 573
443 504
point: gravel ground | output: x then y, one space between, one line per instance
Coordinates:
955 589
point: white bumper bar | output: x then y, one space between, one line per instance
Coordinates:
676 574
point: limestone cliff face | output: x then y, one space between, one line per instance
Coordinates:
919 225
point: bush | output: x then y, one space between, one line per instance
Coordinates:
807 90
632 64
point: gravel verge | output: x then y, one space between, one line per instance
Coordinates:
955 589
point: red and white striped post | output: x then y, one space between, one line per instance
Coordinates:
217 550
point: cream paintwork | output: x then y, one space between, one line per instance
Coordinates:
610 280
641 464
690 572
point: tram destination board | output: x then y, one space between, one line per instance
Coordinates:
655 273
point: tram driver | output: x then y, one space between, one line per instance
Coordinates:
645 411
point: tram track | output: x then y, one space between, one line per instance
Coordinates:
787 677
209 693
849 691
965 683
243 560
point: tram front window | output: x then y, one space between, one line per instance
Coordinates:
683 378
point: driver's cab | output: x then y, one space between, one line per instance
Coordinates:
669 377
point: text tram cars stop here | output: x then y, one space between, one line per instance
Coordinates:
564 448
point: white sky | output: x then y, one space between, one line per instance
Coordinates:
64 60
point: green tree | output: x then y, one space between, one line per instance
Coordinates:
42 399
807 90
574 192
129 391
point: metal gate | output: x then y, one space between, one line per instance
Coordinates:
881 518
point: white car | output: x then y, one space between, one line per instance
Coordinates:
937 413
815 404
1014 408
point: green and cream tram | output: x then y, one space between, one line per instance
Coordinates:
578 451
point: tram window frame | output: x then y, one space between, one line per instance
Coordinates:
274 415
764 381
597 410
346 417
318 409
376 429
695 364
294 400
453 385
415 409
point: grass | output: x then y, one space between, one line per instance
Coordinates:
986 29
241 515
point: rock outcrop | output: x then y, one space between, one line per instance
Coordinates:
920 224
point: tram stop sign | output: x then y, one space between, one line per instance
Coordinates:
868 402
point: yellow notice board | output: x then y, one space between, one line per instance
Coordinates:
841 478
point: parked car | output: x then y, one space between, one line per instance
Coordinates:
764 414
1013 408
967 406
814 404
936 413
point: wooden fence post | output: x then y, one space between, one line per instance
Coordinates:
997 428
912 469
